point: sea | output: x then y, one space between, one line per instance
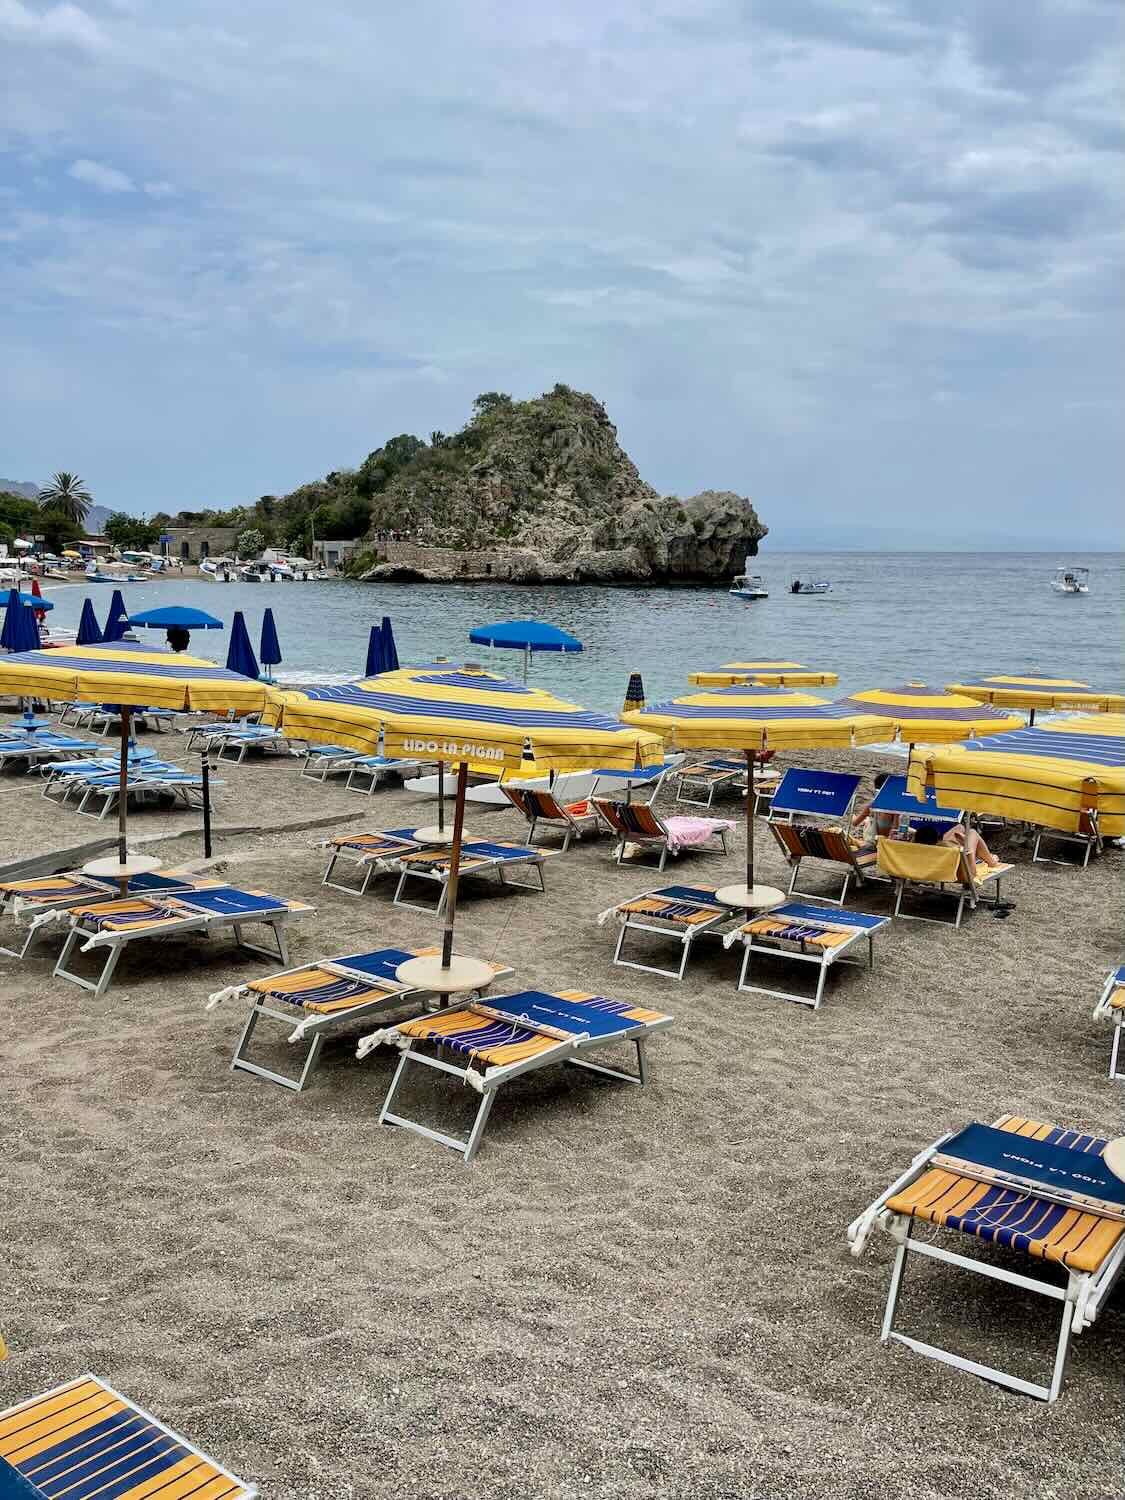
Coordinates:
890 618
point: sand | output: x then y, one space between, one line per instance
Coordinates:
630 1293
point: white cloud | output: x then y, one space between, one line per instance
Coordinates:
59 25
160 190
97 175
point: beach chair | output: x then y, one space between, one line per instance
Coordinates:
644 786
322 761
1051 1197
42 899
155 780
367 772
939 869
316 999
507 1036
1088 838
85 1441
801 841
572 819
250 737
820 796
806 934
106 717
478 857
365 851
207 909
677 913
639 825
894 798
1111 1007
697 784
38 749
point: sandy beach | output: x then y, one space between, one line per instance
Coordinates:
630 1293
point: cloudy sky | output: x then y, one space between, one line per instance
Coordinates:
858 259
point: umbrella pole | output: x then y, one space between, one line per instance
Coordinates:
123 787
526 661
454 863
750 799
441 795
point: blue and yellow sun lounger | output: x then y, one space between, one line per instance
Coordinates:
42 898
678 913
1050 1197
83 1441
113 925
500 1039
1111 1007
807 934
938 869
478 857
367 851
318 998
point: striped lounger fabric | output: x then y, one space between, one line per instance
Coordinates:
318 998
42 898
1052 1199
679 913
478 857
509 1035
83 1441
806 934
800 841
366 851
697 784
114 924
1111 1007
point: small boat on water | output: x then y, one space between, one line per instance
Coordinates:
749 586
810 586
1071 580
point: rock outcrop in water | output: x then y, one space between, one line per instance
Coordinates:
541 491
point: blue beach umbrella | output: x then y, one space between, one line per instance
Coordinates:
33 601
117 621
376 657
179 621
20 632
390 650
526 636
270 648
240 654
89 631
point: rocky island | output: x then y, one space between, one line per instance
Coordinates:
540 491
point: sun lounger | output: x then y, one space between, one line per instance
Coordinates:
1088 838
893 798
113 925
506 1036
697 783
644 786
155 781
478 857
572 819
322 761
366 851
941 869
1050 1197
801 841
639 825
319 998
806 934
40 901
105 718
1111 1007
816 795
45 746
84 1441
676 913
375 769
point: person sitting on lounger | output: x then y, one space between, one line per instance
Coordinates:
968 839
883 823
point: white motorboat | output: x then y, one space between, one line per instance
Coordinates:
748 586
1071 580
569 786
810 586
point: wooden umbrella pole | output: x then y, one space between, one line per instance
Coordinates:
441 796
123 786
454 863
749 820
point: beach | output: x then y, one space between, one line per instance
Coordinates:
629 1293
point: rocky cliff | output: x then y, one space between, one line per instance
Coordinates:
541 491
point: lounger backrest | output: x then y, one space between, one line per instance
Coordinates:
806 841
820 794
544 805
926 863
893 797
611 811
518 798
631 819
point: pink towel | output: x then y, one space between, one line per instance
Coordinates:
687 833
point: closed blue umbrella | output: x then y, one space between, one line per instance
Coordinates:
20 632
33 601
376 657
390 650
89 631
240 655
270 652
117 621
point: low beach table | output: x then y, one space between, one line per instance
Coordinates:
1114 1156
111 868
750 897
809 934
427 972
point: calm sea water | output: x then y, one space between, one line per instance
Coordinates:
890 617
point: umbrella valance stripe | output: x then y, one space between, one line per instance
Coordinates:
58 661
477 711
1092 749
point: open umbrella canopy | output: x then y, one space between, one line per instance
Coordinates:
1048 776
20 631
524 635
757 718
1032 691
117 621
175 617
269 650
89 631
927 715
129 674
464 714
769 673
33 601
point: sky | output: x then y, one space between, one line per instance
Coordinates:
859 260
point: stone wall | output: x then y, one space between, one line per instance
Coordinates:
200 541
411 559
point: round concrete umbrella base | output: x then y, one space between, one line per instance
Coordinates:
426 973
1114 1156
753 898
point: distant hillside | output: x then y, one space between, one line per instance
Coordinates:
96 517
22 487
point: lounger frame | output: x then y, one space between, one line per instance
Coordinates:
682 933
966 889
377 768
482 865
848 860
572 825
823 959
707 777
646 842
1082 1295
1104 1011
370 862
1087 842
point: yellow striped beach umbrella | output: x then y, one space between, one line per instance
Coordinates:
927 715
767 673
1051 776
132 676
477 721
1032 691
751 719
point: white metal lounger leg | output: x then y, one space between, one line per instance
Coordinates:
640 1077
628 963
281 948
369 868
99 985
240 1060
466 1147
1117 1028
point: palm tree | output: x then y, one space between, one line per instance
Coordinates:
67 493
